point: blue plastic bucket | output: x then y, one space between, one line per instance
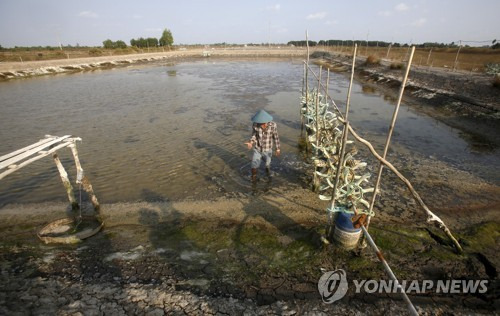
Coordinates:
345 235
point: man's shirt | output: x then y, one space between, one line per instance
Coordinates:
263 139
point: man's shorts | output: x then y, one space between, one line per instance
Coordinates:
258 156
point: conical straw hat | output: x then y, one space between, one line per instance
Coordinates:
262 117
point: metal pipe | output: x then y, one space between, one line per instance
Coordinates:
388 269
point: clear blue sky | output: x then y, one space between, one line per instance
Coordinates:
90 22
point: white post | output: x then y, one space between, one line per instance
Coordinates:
456 58
66 182
82 178
429 57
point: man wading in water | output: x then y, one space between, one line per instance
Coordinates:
264 132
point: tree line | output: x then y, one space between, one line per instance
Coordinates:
494 45
166 39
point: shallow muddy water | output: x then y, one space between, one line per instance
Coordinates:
171 131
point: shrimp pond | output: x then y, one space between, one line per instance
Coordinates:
173 131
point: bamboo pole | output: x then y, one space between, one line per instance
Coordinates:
388 269
327 82
66 182
455 64
429 57
21 154
307 77
345 132
389 134
315 179
307 83
329 97
302 94
82 178
41 154
317 106
431 217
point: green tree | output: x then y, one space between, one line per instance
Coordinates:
166 38
107 43
151 42
120 44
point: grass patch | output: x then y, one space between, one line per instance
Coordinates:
372 60
396 66
483 236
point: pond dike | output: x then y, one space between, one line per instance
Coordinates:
462 100
474 90
17 70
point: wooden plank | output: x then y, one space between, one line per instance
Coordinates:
27 162
17 152
31 151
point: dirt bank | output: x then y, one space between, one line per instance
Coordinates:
463 100
13 70
253 254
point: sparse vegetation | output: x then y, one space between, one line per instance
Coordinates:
396 66
372 60
95 52
496 82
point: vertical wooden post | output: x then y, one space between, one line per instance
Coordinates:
66 182
315 178
327 81
307 83
302 94
82 178
389 134
429 57
456 58
388 50
345 132
317 106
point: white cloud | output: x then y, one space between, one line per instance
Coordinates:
137 16
402 7
334 22
316 16
282 30
385 13
88 14
275 7
153 30
420 22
